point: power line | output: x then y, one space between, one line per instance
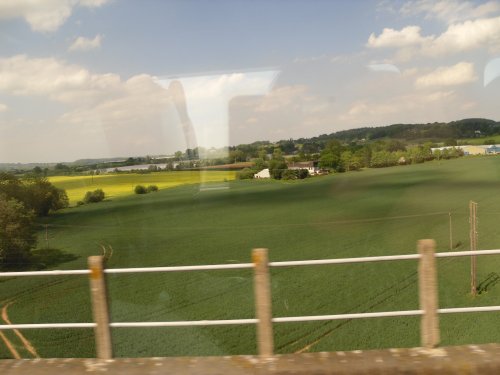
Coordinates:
312 223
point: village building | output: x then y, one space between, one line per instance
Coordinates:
311 166
472 149
262 174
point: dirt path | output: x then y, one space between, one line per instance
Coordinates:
9 345
27 344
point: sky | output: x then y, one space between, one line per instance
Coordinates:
118 78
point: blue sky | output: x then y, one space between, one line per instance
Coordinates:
90 78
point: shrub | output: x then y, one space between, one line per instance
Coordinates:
17 233
277 173
245 174
94 196
80 203
289 174
303 173
140 189
152 188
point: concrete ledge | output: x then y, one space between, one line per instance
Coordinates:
470 359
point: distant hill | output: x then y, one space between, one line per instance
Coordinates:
97 161
436 131
24 166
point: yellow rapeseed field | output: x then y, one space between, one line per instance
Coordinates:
119 185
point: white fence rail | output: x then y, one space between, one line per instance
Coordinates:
96 274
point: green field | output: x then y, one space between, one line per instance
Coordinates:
120 185
479 141
368 213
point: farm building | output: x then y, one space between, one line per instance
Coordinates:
473 149
493 149
311 166
139 167
262 174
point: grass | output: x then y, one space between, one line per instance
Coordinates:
120 185
479 141
373 212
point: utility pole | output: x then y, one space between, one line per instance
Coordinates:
473 245
451 233
47 235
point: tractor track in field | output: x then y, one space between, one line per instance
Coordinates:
5 317
410 280
27 291
26 343
353 309
10 346
367 309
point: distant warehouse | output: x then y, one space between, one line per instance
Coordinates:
472 149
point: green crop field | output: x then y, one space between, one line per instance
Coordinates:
367 213
120 185
480 141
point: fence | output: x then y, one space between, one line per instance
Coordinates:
428 297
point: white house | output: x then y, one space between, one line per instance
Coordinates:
309 165
263 174
473 149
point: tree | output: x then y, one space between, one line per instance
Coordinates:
382 159
288 147
11 186
245 173
42 197
236 156
277 164
17 233
94 196
346 160
62 168
140 189
36 192
330 156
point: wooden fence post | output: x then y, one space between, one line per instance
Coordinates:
473 246
263 308
100 311
428 294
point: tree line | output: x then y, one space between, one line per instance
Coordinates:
410 135
21 201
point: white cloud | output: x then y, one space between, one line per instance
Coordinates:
93 3
3 107
55 79
282 98
466 36
458 37
136 115
390 38
88 96
449 11
226 86
44 15
309 59
139 99
455 75
390 68
419 107
85 44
